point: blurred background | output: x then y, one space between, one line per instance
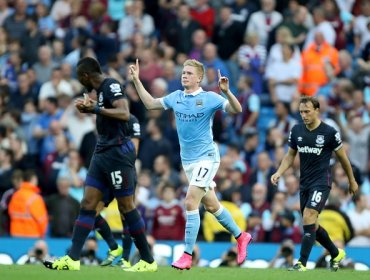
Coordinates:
272 51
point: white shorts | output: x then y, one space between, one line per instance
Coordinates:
201 173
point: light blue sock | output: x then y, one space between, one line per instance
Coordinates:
224 217
191 230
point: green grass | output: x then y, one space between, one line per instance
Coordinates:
38 272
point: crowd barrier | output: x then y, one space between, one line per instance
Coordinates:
13 250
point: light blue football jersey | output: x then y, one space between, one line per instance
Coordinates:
194 115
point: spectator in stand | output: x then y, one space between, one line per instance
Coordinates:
316 59
358 136
56 87
321 26
262 173
292 192
77 124
31 40
17 178
361 28
168 219
228 36
45 22
149 67
73 169
360 219
333 16
199 39
252 59
285 228
283 121
203 13
15 23
247 120
22 93
242 10
44 65
283 76
135 21
283 37
180 32
27 210
55 159
5 11
298 25
264 20
6 169
164 172
154 144
62 208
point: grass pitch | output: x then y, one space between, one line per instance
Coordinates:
38 272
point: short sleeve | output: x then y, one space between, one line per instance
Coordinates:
336 140
114 91
291 139
168 101
134 127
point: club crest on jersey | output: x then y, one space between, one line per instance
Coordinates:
199 103
320 140
100 99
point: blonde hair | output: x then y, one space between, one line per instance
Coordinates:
199 67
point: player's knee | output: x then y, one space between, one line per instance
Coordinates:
190 203
88 204
212 208
125 207
309 216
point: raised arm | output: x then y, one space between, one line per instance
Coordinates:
148 100
344 161
234 106
285 164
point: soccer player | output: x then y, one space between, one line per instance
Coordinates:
101 224
194 109
112 166
315 141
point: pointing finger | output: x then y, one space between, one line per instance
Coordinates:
219 74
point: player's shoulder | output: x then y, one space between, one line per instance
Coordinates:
298 127
112 85
328 128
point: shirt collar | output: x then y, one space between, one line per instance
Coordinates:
199 90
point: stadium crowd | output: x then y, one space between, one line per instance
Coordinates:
272 52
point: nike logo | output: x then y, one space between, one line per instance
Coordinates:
178 102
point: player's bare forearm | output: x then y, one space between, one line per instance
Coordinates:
286 162
234 106
115 113
119 111
344 161
149 102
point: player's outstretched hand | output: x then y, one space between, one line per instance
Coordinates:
223 82
275 178
135 70
353 187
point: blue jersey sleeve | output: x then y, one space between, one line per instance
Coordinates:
291 139
169 100
217 102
